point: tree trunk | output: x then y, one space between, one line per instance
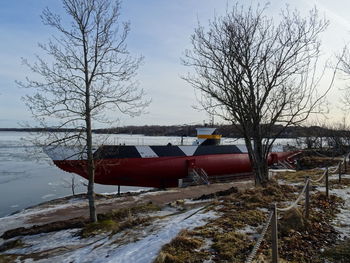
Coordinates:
258 161
260 166
261 171
90 157
88 70
91 170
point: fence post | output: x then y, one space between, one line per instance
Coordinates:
339 169
327 184
274 234
345 168
307 197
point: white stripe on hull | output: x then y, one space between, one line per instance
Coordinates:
146 151
188 150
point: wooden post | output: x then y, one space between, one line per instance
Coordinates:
307 198
327 184
345 168
339 169
180 182
274 233
118 189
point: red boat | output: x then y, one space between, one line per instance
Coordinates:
163 166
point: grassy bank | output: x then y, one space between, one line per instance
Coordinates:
231 236
235 220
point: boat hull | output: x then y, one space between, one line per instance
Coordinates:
163 171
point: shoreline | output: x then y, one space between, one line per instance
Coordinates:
162 223
82 196
71 207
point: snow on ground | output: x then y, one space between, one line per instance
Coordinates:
146 249
342 221
139 247
336 176
175 190
19 219
46 241
249 230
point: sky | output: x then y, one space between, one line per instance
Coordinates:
160 31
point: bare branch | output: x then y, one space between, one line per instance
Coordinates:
90 71
258 73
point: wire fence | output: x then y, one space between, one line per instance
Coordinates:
272 219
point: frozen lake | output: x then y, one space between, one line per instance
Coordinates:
27 179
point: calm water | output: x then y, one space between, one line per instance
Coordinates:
27 179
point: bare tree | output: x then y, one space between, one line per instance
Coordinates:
257 73
71 183
344 68
340 137
87 71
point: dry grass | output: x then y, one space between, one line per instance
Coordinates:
231 246
116 220
300 239
122 213
264 197
339 253
221 240
8 258
344 183
292 220
299 176
328 206
227 244
120 219
46 228
112 226
99 227
183 248
310 162
18 243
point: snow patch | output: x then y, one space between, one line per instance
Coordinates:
342 221
146 250
137 249
47 196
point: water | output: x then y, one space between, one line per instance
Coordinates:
28 177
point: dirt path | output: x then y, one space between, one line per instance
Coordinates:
161 198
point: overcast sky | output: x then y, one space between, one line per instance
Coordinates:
160 31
